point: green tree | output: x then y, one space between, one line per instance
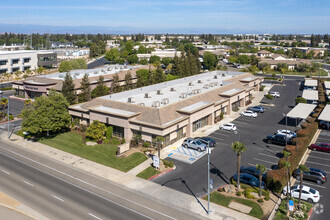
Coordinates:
210 60
128 81
78 63
232 59
65 66
261 170
142 77
120 60
112 54
287 166
239 148
46 114
142 49
166 61
300 100
302 168
154 59
132 59
101 89
158 75
93 50
85 90
115 86
143 61
68 89
40 70
243 59
96 130
253 68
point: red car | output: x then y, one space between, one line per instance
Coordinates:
321 147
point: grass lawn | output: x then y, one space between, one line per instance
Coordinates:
223 200
147 173
101 153
281 213
321 72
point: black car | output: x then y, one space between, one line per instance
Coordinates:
257 108
207 140
252 171
278 139
316 175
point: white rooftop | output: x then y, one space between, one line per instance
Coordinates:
301 110
327 84
249 79
325 114
232 92
193 107
310 82
310 95
79 74
165 93
114 111
24 51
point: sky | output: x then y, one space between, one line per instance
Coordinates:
167 16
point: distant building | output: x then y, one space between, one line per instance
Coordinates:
21 60
56 45
264 53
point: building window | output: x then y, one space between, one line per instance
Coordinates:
3 70
26 60
15 69
200 123
167 140
26 68
118 131
14 61
179 134
3 62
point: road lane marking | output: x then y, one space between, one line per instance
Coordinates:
6 172
319 157
256 165
264 161
94 216
87 183
282 147
311 184
269 155
318 163
58 198
26 182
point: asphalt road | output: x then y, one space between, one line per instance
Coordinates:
16 105
192 178
58 191
97 63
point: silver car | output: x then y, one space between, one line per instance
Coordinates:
194 144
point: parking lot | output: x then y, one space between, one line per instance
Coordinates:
320 160
192 178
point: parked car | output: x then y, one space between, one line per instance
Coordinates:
278 139
308 194
320 147
249 113
253 171
249 179
290 134
194 144
324 124
208 140
275 94
316 175
257 108
228 127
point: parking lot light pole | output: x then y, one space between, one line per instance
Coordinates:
8 119
286 128
208 178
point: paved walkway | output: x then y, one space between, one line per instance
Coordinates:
162 194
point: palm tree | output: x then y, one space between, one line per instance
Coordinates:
287 165
261 169
287 154
302 168
239 148
159 143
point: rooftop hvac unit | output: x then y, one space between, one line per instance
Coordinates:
147 95
142 104
191 84
199 81
194 91
223 74
199 91
155 104
87 74
183 95
206 86
159 92
61 76
215 77
165 101
103 70
95 73
116 67
77 74
131 100
110 68
211 84
172 89
216 83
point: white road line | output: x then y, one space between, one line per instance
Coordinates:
256 165
320 152
318 163
265 161
87 183
267 155
6 172
282 147
58 198
216 138
218 133
311 184
26 182
327 139
94 216
319 157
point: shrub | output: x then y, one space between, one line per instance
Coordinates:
108 133
266 195
168 163
247 193
262 88
304 125
260 200
238 193
11 117
115 141
123 141
106 141
146 144
273 75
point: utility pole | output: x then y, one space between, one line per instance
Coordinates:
208 178
8 120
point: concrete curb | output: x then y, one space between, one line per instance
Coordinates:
9 121
160 174
310 213
18 211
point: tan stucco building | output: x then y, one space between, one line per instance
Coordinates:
173 109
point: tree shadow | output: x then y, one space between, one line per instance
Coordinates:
186 185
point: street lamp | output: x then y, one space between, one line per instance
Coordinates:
8 119
286 128
208 178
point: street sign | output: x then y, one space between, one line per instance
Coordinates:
155 161
290 205
211 183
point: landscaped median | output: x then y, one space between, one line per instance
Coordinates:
150 173
301 214
105 154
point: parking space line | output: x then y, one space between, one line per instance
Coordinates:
275 146
226 135
320 152
318 163
319 157
327 139
264 161
311 184
268 155
256 165
216 138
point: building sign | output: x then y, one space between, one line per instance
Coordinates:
290 205
155 161
32 88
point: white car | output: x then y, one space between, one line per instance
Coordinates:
290 134
308 194
249 113
275 94
228 127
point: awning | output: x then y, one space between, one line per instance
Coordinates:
310 95
325 114
301 110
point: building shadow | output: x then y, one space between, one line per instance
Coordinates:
186 185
